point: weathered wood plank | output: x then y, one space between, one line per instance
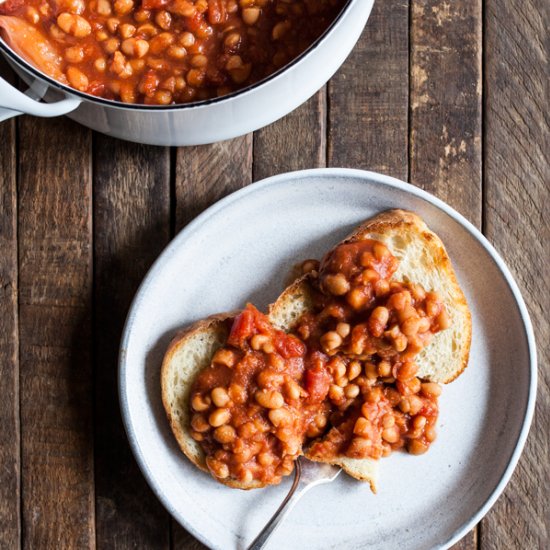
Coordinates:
132 226
368 96
445 113
10 524
55 293
517 221
296 142
205 174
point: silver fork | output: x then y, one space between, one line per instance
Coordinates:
307 475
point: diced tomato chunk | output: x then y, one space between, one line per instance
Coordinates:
289 346
154 4
317 382
10 7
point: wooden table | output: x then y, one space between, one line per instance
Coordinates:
450 95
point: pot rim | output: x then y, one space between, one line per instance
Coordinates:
25 65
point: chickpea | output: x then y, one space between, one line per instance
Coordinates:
292 390
225 357
135 47
126 30
270 399
423 325
371 372
354 370
331 340
337 284
410 326
103 7
279 417
343 329
74 54
356 299
342 382
337 367
247 430
187 39
388 421
407 371
266 459
280 29
430 433
362 427
200 403
245 475
219 417
351 391
77 79
419 422
431 389
225 434
417 447
384 369
259 340
415 405
218 468
381 288
220 397
335 393
176 52
380 251
250 15
199 423
73 24
309 265
122 7
163 19
433 304
378 320
237 393
391 435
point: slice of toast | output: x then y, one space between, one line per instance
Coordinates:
188 354
423 259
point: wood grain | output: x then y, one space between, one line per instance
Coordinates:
517 221
55 294
445 143
206 173
445 102
131 227
368 96
10 524
296 142
203 175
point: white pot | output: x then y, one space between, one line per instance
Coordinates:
195 123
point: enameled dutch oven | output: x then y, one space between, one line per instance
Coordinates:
194 123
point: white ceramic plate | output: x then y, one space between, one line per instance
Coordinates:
242 249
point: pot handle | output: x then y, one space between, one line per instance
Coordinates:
14 103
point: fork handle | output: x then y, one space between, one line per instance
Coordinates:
284 509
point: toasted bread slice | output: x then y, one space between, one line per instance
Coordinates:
188 354
423 259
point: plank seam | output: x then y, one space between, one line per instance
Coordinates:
18 359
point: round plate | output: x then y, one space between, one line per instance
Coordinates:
242 249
